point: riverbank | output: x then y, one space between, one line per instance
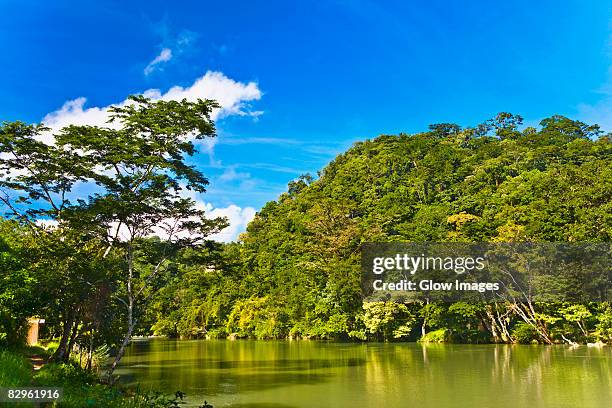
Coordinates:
81 388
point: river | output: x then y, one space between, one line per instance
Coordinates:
292 374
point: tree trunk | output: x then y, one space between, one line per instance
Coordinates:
527 313
423 326
88 364
126 340
58 355
491 324
130 316
73 337
503 324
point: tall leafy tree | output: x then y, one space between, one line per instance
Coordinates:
142 174
141 182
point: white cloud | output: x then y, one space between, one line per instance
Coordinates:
232 96
72 113
164 56
47 223
238 219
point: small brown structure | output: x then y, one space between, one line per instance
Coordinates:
34 323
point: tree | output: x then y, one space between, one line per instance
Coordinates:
506 125
577 314
387 320
441 130
18 299
141 172
570 128
36 180
139 175
489 184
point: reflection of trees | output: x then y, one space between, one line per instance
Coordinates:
551 376
511 376
377 374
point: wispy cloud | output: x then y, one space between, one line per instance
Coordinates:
273 167
230 174
600 112
327 150
221 49
312 147
173 44
258 140
164 56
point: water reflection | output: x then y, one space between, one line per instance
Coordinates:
320 374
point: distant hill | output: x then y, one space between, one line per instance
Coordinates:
489 183
296 272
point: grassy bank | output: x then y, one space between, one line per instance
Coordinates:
15 370
81 388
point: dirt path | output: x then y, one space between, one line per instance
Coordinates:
37 361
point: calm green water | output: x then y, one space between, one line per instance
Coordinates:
295 374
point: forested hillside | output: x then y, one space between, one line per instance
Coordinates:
295 272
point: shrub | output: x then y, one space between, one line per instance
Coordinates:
216 333
436 336
387 320
525 333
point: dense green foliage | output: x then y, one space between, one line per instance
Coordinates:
14 369
91 220
16 290
86 251
296 271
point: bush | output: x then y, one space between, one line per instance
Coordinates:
216 333
387 320
256 318
525 333
13 330
436 336
83 389
64 375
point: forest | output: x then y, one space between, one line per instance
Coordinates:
99 238
295 272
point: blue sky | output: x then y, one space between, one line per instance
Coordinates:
307 79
